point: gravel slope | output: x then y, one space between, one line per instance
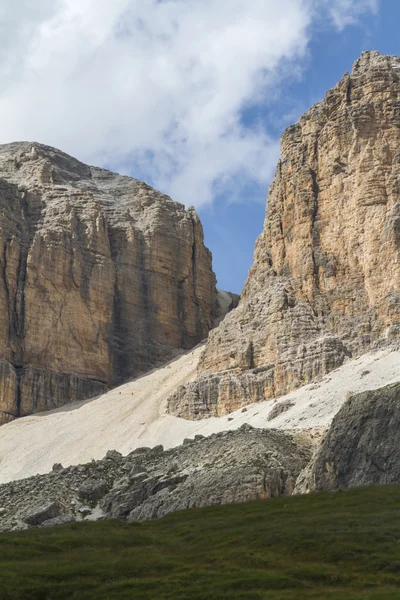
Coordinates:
134 415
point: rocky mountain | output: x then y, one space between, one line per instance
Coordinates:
325 282
101 278
234 466
362 445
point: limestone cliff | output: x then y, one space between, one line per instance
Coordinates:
101 278
325 282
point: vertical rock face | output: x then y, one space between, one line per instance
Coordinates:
101 278
325 282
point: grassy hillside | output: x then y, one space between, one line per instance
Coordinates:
342 545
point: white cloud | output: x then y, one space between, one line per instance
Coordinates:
154 87
347 12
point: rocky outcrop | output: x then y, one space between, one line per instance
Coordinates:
226 301
101 278
362 446
325 282
234 466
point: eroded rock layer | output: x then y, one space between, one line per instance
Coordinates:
101 278
325 282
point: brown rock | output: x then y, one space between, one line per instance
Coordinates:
101 278
325 282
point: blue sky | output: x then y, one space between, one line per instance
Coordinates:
189 95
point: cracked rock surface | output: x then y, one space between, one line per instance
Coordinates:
362 446
101 278
325 282
233 466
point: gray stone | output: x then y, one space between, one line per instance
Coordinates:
141 450
138 477
113 455
136 469
280 408
93 490
42 513
237 466
85 510
362 446
60 520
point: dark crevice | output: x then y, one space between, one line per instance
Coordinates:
251 356
19 371
348 91
283 238
315 241
19 299
129 335
314 215
146 291
115 340
180 309
30 218
194 282
6 290
27 217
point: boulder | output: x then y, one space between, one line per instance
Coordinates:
113 455
362 446
60 520
42 513
92 490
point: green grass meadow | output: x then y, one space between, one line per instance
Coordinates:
333 545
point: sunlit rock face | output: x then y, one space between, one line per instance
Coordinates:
101 278
325 282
